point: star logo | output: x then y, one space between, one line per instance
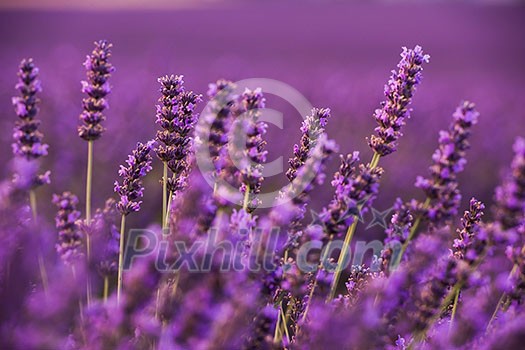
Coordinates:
379 218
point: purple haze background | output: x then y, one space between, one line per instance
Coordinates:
338 56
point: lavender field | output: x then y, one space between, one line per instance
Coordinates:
249 176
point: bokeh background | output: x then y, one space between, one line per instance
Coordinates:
337 54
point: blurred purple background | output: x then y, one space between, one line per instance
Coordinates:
338 56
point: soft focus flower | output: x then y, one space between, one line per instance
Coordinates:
510 197
313 126
449 160
70 244
28 140
138 165
355 188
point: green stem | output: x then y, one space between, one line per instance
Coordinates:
285 326
32 203
421 335
167 215
277 334
43 273
501 299
121 257
41 264
164 192
106 289
246 198
157 302
89 178
314 286
348 238
344 252
454 309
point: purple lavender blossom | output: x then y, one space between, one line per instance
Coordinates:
291 206
355 188
177 117
69 245
471 243
28 140
131 189
312 127
397 233
449 160
253 153
398 91
218 118
510 197
107 238
96 88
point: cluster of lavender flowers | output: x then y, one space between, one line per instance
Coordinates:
439 282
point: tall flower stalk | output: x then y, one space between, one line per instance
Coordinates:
96 88
254 155
177 117
28 147
391 117
441 189
130 191
510 212
67 221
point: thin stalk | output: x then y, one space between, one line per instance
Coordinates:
284 318
411 235
348 238
246 198
157 301
420 336
164 192
277 335
80 307
342 255
41 264
166 221
32 203
106 289
89 178
501 299
454 309
121 257
43 273
312 290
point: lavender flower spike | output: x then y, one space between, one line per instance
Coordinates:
355 188
449 160
177 117
254 154
131 189
469 246
28 140
312 127
96 87
398 91
510 197
69 245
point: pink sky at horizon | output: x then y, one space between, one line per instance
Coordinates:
189 4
